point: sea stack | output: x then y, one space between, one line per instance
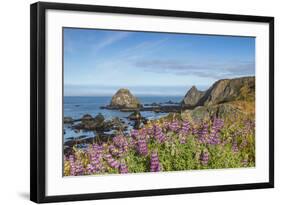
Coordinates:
124 99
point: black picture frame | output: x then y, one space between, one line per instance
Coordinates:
38 100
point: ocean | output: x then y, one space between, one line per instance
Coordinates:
76 107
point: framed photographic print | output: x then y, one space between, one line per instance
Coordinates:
129 102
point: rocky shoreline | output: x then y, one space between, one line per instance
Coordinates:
228 97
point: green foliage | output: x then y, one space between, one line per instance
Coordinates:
236 149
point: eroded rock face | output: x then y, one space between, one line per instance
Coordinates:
123 98
192 97
229 90
206 113
222 91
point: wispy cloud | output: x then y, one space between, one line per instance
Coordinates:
142 49
132 53
212 70
110 40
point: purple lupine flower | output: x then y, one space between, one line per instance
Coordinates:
120 146
154 162
79 169
185 127
123 169
249 127
214 137
195 131
72 165
204 157
95 151
218 124
203 133
235 146
184 132
92 168
158 134
111 161
120 141
174 126
149 131
96 164
146 131
134 133
142 146
114 151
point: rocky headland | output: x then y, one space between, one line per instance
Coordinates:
227 98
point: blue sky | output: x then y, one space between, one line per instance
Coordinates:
99 62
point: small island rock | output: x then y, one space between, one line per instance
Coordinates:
123 99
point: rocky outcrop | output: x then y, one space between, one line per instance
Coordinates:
123 99
99 124
227 98
87 118
68 120
231 110
229 90
192 97
222 91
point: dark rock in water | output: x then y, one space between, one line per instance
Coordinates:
123 99
98 123
165 108
155 104
135 116
68 120
77 105
99 119
170 102
117 124
86 118
137 119
128 109
192 97
90 123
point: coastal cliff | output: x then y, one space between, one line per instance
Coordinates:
225 90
